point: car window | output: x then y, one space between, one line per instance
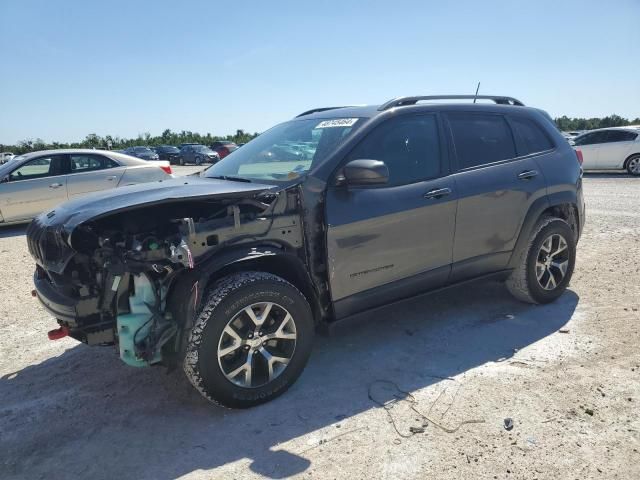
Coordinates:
620 136
534 138
591 138
40 167
87 163
409 146
481 138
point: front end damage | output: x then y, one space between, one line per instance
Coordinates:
134 277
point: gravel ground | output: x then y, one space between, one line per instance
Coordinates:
567 374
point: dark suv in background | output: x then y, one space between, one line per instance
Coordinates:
168 152
198 154
233 273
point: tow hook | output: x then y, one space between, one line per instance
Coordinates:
58 333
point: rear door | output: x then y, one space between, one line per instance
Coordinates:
392 241
616 148
496 185
92 173
590 145
35 186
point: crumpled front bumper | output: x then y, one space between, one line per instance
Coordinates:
48 246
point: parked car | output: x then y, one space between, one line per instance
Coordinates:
168 152
223 147
5 157
610 149
197 154
233 273
145 153
36 182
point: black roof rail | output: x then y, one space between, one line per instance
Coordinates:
321 109
402 101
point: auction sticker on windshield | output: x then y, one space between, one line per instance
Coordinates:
337 122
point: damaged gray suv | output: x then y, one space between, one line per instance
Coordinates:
340 210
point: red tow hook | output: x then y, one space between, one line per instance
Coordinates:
58 333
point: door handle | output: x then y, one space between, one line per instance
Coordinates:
55 185
437 193
527 174
111 178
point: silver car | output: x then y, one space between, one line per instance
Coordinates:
35 182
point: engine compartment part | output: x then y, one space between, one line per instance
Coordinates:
135 327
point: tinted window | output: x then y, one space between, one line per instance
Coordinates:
620 136
480 139
38 168
533 137
409 146
86 163
591 138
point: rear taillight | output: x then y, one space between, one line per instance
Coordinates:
579 155
167 169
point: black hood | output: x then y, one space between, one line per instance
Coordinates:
90 207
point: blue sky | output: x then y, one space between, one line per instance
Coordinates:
73 67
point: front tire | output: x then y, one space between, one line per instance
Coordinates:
545 267
633 165
251 340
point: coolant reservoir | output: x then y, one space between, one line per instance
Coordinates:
136 323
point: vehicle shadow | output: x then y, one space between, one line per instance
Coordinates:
84 414
13 230
607 174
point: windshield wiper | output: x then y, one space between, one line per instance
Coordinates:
231 179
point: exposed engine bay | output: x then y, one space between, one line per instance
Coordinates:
134 278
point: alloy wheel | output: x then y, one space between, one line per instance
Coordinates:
552 261
634 166
257 344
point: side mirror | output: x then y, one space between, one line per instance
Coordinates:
365 172
4 179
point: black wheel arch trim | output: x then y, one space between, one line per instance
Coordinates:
261 257
537 208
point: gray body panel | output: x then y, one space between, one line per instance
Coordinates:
492 204
380 235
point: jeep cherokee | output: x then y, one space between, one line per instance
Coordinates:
335 212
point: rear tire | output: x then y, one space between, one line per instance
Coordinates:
633 165
545 267
250 341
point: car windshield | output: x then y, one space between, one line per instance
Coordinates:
286 151
169 149
5 168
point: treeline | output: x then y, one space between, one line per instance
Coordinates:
93 140
566 124
169 137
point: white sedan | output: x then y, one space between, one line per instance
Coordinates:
610 149
35 182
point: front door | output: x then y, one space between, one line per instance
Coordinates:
33 187
392 241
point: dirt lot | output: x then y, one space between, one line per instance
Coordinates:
568 374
